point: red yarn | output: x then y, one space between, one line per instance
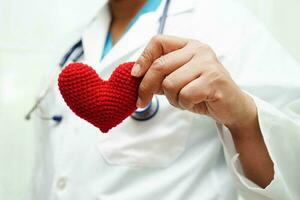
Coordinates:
104 104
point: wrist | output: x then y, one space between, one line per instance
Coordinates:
247 120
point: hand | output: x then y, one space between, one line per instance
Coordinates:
190 75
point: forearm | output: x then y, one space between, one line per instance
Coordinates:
255 159
191 77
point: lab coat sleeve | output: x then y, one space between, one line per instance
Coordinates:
263 69
281 135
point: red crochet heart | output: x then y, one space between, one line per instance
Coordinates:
105 104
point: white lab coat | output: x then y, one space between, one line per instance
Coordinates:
177 155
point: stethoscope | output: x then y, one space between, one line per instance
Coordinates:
74 54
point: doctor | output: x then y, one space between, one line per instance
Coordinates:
247 146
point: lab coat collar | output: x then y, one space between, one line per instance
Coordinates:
146 27
180 6
176 6
93 38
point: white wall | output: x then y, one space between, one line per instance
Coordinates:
282 18
31 30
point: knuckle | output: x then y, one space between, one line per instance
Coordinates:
200 51
194 42
156 38
212 56
145 56
168 84
159 64
184 96
207 57
214 72
204 94
206 46
202 47
217 77
210 53
218 96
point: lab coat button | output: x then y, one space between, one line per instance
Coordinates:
61 183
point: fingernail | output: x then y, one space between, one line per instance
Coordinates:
135 70
139 103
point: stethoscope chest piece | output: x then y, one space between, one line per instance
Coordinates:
143 114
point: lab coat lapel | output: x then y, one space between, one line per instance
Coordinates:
142 31
181 6
136 37
94 36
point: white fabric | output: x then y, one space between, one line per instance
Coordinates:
177 155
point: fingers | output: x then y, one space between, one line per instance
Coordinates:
167 66
196 92
161 67
158 46
178 79
200 108
171 72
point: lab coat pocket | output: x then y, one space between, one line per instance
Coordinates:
156 142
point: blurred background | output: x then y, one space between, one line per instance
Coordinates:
30 34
